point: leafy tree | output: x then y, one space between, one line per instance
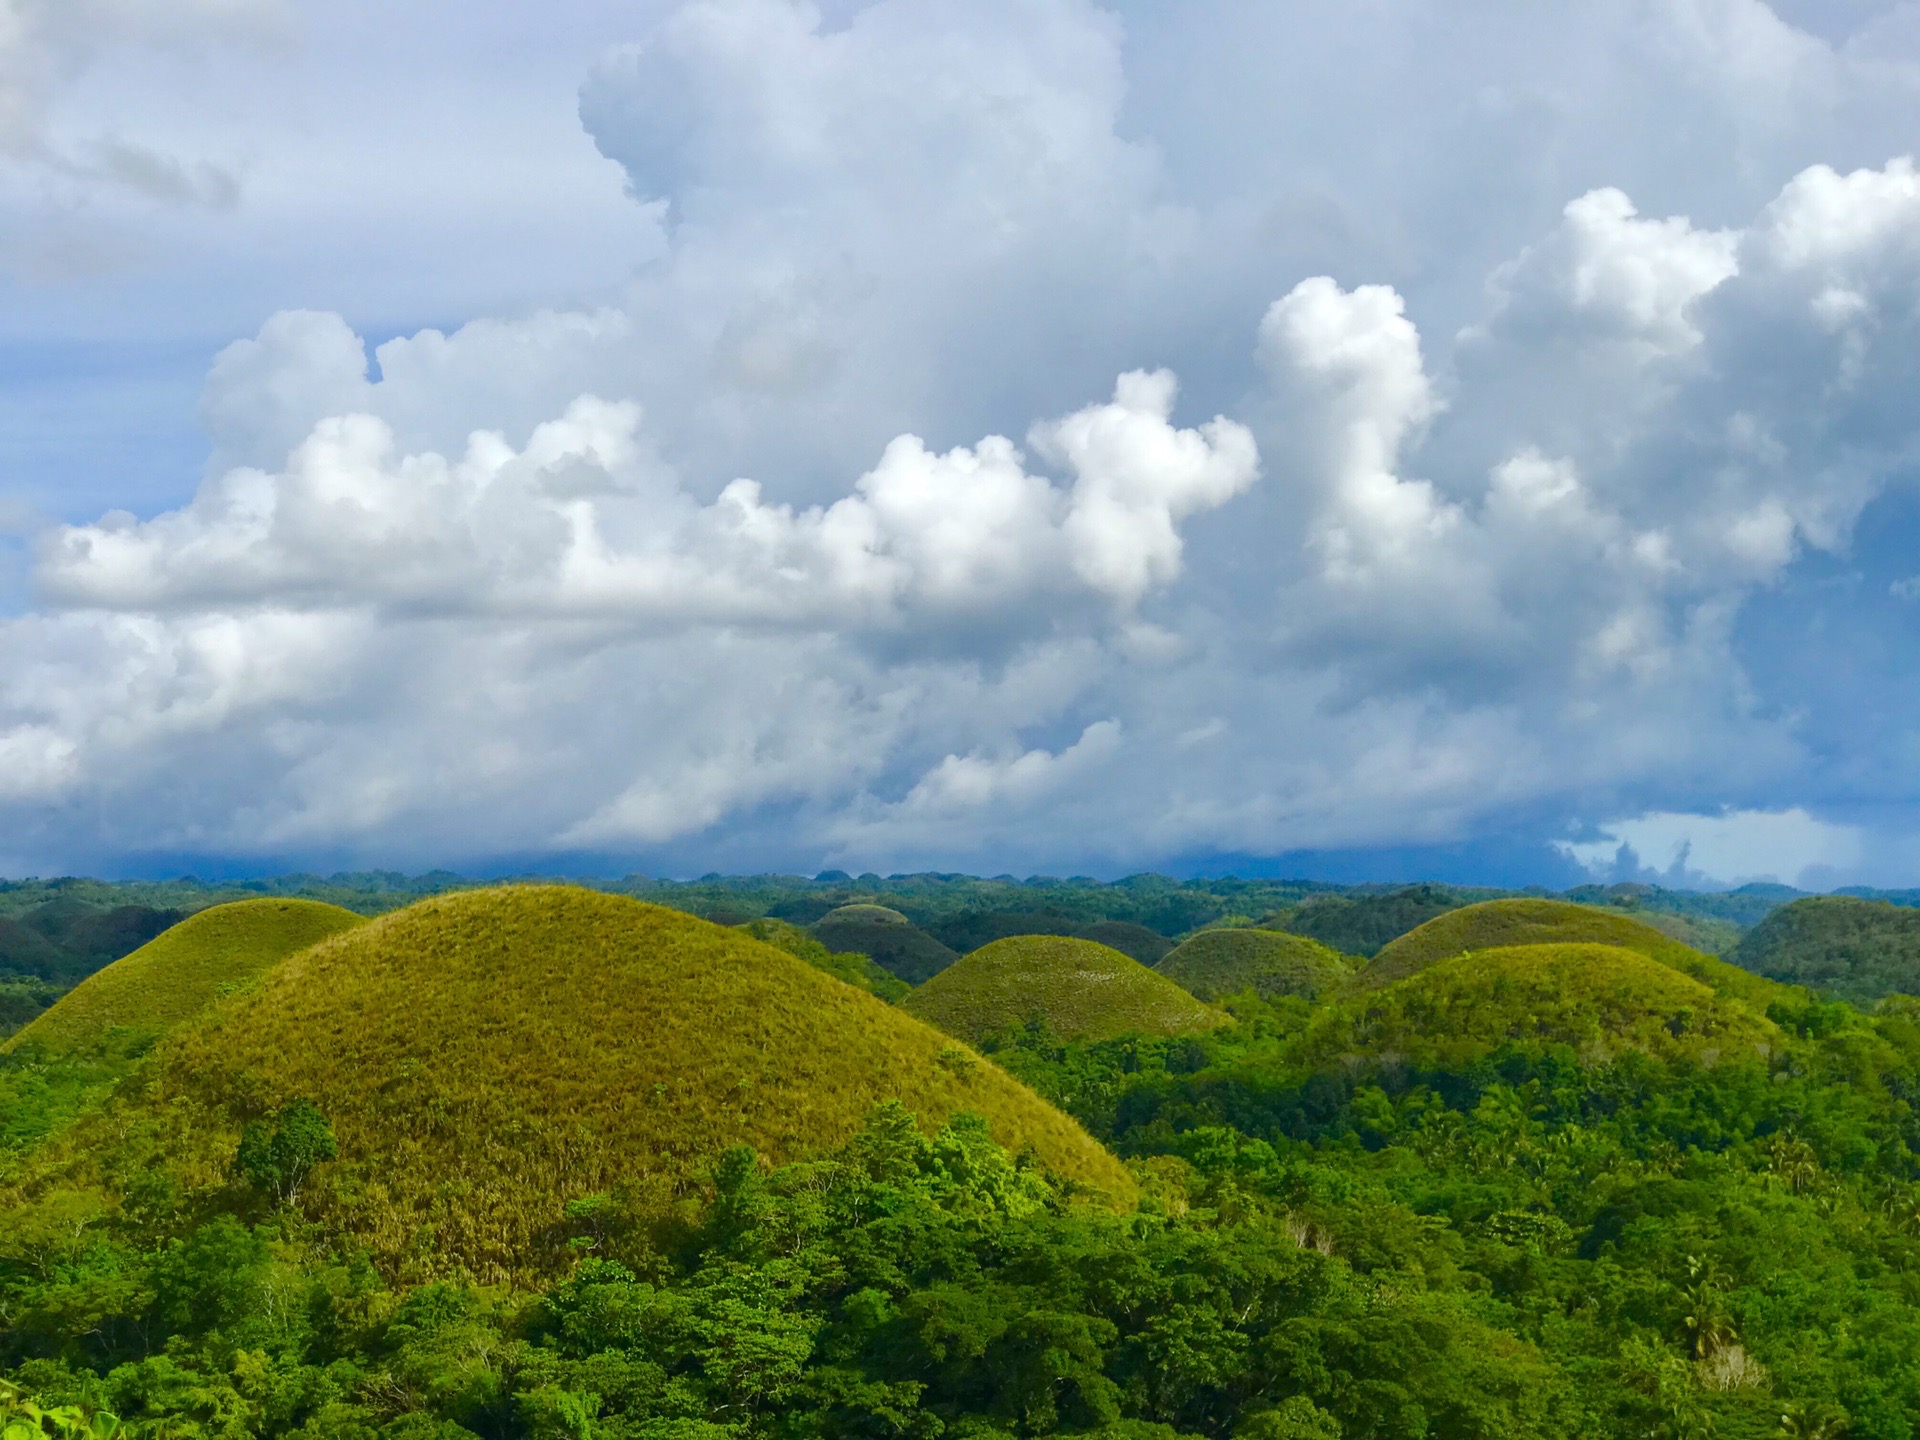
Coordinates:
22 1417
277 1155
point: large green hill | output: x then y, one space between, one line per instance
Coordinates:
1078 988
1857 949
1217 963
1598 999
1497 923
178 974
486 1057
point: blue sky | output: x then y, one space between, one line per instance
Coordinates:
1022 435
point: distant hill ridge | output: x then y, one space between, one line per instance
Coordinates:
1859 950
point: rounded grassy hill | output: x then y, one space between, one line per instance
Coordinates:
864 914
1217 963
180 972
1497 923
487 1056
1856 949
886 937
1077 988
1598 999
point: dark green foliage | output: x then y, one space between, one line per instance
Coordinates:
1693 1249
22 1000
966 933
64 939
914 1285
1361 924
908 953
277 1154
1149 947
1857 949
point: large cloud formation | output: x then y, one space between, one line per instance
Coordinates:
504 591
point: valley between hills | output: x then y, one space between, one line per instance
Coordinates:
934 1157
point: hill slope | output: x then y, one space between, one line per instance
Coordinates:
1080 989
1856 949
1217 963
1497 923
486 1057
182 971
1599 999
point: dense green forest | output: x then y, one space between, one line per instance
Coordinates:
535 1163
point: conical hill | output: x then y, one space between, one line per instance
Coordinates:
1498 923
1076 987
488 1056
1217 963
181 971
1597 999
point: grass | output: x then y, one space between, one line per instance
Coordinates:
1497 923
1217 963
1598 999
486 1057
179 973
1078 989
1149 947
1857 949
855 969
